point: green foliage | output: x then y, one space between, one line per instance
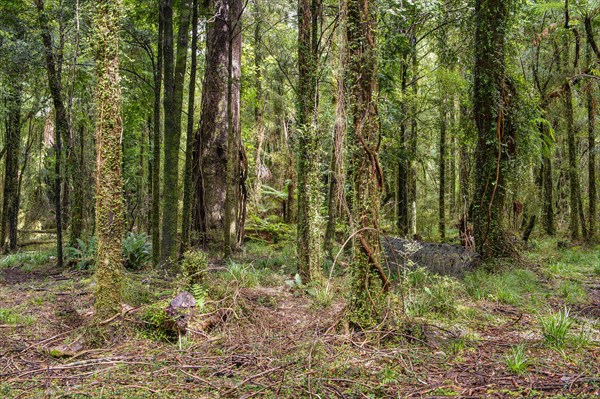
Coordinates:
25 259
572 291
431 293
154 319
11 316
83 256
137 293
509 287
137 251
193 268
555 327
516 361
247 276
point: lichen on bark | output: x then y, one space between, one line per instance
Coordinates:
109 192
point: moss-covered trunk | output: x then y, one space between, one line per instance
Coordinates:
369 281
310 235
53 69
174 75
156 141
186 214
10 199
109 190
492 121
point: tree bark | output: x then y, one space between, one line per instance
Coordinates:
189 140
53 69
109 190
174 76
10 199
369 281
211 139
156 141
492 121
310 236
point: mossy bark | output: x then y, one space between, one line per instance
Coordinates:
109 187
186 214
493 130
369 282
10 199
53 69
310 234
174 75
156 142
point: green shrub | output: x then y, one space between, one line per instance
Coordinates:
83 255
25 259
193 268
137 251
11 316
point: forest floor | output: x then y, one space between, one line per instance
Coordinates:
258 334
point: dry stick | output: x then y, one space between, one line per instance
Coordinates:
255 376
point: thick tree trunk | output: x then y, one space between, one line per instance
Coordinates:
592 188
174 76
53 69
156 141
210 141
186 216
309 199
492 121
442 169
369 281
109 190
403 183
547 185
234 140
336 183
10 202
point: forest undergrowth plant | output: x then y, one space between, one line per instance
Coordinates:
555 327
516 360
193 268
137 251
83 255
25 259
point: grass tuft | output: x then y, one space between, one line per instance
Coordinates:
555 327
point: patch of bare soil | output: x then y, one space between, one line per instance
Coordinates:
274 343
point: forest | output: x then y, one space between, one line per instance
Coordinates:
299 199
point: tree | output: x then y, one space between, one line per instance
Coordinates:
369 281
310 235
109 191
174 74
211 139
490 103
54 71
189 139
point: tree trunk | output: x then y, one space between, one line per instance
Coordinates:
186 218
174 76
156 140
442 169
53 69
109 190
211 139
592 188
336 183
492 121
403 184
234 140
309 199
369 281
10 203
